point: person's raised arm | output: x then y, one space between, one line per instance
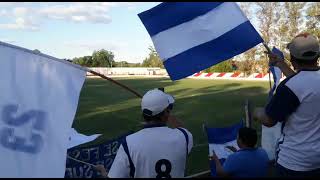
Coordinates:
219 168
100 168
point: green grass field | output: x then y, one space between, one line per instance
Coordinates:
110 110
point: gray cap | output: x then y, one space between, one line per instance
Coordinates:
304 46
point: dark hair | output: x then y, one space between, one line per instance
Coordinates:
161 89
248 136
149 118
303 61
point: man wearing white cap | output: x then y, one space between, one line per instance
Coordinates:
297 104
156 151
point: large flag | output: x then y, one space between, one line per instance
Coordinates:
103 153
39 98
271 135
218 139
192 36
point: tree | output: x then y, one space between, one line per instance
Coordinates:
294 15
153 59
313 19
83 61
102 58
225 66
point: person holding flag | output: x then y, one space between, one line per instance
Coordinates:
249 161
295 104
156 151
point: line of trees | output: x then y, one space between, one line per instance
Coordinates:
278 23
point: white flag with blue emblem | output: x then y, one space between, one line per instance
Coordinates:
192 36
39 99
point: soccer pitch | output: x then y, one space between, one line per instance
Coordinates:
105 108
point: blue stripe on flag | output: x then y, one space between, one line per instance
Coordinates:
170 14
232 43
223 135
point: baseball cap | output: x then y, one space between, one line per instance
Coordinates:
155 101
304 46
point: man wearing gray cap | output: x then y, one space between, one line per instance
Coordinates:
156 151
296 103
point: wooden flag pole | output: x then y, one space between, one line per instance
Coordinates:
247 109
116 82
81 161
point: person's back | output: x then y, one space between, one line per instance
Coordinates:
156 151
250 162
154 147
301 144
296 104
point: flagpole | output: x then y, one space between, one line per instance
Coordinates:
116 82
269 51
71 64
81 161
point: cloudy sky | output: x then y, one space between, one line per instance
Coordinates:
68 30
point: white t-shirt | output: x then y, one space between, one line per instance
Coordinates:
297 104
155 152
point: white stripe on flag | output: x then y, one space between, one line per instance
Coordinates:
227 16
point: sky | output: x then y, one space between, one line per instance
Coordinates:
75 29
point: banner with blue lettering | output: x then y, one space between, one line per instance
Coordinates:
95 154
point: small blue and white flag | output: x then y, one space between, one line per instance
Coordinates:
271 135
218 139
192 36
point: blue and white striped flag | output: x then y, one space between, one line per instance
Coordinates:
192 36
218 139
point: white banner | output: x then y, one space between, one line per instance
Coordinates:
38 101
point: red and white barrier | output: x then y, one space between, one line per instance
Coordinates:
234 75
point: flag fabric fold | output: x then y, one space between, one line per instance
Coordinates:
218 139
76 138
192 36
39 99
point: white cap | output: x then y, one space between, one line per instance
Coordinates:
155 101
